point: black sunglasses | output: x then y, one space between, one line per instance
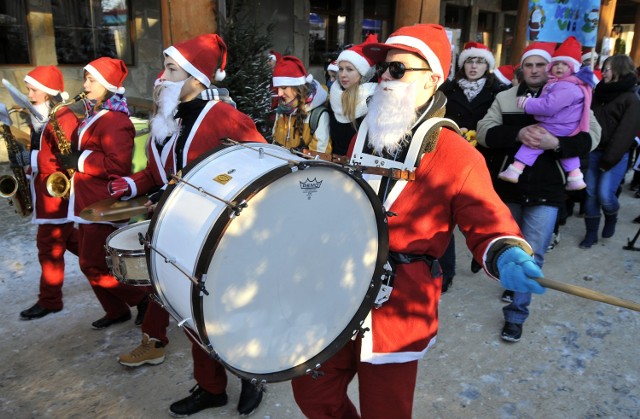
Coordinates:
396 69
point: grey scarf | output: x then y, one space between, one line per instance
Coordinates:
471 88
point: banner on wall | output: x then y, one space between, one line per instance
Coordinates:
555 20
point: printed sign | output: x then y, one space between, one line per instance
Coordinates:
555 20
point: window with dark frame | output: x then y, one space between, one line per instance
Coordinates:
14 35
87 29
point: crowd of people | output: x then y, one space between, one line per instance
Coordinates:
497 151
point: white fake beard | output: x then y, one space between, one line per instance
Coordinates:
163 124
391 115
43 109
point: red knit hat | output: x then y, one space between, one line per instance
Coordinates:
570 52
289 71
110 73
505 73
543 49
200 57
47 78
427 40
355 56
476 49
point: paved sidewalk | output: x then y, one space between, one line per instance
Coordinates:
577 358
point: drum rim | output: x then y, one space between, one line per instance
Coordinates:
351 329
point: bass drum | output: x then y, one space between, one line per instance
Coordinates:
288 253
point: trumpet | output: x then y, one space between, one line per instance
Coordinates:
59 183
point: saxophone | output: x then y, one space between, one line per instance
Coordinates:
59 183
16 187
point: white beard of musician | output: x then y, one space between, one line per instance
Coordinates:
391 115
167 98
43 109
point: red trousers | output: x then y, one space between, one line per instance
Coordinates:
156 321
208 373
386 390
115 297
52 241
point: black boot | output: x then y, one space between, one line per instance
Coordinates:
591 238
609 228
199 399
250 398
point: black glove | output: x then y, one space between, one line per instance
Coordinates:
69 161
155 197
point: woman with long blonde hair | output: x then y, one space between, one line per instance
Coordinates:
349 96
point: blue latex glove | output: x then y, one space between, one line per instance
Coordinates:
517 270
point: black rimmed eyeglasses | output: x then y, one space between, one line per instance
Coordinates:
396 69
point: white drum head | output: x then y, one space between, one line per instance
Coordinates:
291 274
126 238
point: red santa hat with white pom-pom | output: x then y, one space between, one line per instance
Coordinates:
476 49
569 52
361 62
289 71
505 73
109 72
200 57
47 78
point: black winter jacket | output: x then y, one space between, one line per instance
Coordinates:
467 114
617 109
544 182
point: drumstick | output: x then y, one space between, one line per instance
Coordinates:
587 293
140 208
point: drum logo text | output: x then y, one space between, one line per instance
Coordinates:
310 187
222 178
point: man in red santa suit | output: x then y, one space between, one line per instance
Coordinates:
205 117
102 147
56 234
447 191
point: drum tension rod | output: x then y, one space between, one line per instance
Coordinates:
147 244
236 208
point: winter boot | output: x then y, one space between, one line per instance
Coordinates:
609 228
591 238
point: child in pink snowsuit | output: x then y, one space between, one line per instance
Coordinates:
562 109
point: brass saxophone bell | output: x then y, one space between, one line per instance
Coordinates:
58 185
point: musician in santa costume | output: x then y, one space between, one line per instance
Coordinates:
56 234
205 117
102 147
301 121
399 131
348 97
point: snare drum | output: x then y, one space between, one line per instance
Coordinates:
125 255
289 251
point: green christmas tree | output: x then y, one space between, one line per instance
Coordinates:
248 74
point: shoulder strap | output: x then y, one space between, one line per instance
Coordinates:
314 118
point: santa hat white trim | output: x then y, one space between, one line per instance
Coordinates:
292 81
427 53
359 62
333 67
174 53
110 87
569 60
501 77
477 52
544 54
590 54
37 84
